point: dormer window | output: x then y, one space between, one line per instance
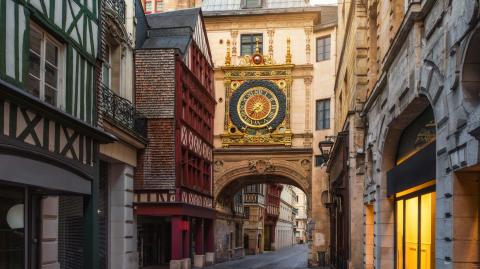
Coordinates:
252 3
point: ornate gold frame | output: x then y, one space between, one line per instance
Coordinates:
237 75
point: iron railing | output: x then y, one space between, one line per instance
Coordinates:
119 7
122 112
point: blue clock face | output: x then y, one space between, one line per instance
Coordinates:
257 105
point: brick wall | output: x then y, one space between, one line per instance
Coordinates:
155 98
155 82
156 163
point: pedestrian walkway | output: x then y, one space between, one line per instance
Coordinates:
294 257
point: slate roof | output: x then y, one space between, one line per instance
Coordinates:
172 30
174 19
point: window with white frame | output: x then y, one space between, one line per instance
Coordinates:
45 70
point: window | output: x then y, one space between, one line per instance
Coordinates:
251 3
159 5
322 116
323 48
45 67
249 43
318 161
107 67
148 6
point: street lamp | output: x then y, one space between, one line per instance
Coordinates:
326 147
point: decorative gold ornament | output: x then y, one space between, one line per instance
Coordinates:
288 57
228 57
282 84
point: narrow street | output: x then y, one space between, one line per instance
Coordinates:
293 257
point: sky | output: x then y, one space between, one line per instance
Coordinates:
316 2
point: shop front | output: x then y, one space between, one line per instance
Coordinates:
174 231
411 184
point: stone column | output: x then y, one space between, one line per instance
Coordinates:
270 33
308 35
307 142
234 36
122 229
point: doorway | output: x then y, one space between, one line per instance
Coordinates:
415 230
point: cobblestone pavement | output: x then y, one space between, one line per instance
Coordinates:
294 257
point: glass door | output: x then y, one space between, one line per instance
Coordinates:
415 231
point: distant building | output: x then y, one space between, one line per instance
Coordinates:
284 230
300 203
173 181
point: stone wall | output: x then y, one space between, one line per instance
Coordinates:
421 68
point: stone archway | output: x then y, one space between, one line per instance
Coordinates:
237 168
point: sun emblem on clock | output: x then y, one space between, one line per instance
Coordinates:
257 104
257 107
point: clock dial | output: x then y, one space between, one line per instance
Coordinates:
257 107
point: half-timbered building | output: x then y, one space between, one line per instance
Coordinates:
173 182
48 140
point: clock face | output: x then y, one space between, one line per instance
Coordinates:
257 105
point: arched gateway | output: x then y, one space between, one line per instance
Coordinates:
263 148
238 168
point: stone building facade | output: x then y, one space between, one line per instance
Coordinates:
284 230
301 218
119 116
287 45
407 135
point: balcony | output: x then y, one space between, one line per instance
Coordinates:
273 210
239 210
117 6
122 112
251 198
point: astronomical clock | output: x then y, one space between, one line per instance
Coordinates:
257 102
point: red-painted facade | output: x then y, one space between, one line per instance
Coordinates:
272 210
174 180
